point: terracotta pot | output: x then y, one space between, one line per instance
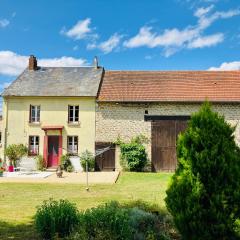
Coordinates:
10 168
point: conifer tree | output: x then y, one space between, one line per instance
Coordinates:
204 195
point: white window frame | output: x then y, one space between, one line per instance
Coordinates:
33 148
35 118
74 113
73 148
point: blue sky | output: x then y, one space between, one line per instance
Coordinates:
124 34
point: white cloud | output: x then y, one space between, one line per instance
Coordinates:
4 23
227 66
13 64
206 41
170 37
173 40
62 62
203 11
80 30
205 20
108 45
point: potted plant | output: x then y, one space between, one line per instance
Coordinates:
2 169
15 152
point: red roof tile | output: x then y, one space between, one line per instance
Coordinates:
167 86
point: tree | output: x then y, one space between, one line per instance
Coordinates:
204 195
15 152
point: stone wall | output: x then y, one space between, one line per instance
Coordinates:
127 120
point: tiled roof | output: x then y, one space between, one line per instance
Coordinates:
56 81
167 86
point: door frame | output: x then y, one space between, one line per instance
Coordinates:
58 141
45 145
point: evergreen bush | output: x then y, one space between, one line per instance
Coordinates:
204 195
66 163
116 222
56 219
133 154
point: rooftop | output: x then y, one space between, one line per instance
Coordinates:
170 86
57 81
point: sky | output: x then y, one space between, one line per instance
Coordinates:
124 34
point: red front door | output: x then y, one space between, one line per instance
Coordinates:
53 150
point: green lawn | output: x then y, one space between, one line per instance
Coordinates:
18 201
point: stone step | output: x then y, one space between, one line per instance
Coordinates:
51 169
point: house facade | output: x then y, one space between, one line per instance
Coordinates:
52 111
69 110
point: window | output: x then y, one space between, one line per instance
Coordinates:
0 137
73 114
72 144
34 114
33 145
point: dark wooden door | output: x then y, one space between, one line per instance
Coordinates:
164 139
53 150
106 160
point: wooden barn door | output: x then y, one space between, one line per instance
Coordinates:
106 160
164 139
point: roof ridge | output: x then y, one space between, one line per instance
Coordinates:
212 71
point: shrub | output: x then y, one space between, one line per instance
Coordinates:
117 222
66 163
41 164
56 218
133 154
146 225
107 221
14 152
204 195
87 157
147 207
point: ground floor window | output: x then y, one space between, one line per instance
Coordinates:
72 144
33 145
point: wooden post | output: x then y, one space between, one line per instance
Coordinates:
45 149
60 146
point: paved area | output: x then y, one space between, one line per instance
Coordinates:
73 178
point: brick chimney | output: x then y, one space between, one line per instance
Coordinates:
32 63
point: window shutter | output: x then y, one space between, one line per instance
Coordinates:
68 113
30 113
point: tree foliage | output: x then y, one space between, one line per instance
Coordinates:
87 159
15 152
133 154
204 195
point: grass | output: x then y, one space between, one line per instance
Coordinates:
18 201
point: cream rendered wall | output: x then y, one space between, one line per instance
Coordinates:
54 111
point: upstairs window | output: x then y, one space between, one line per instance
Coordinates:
33 147
72 145
34 114
73 114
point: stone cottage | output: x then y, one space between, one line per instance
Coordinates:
57 110
158 105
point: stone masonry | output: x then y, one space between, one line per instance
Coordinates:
126 120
